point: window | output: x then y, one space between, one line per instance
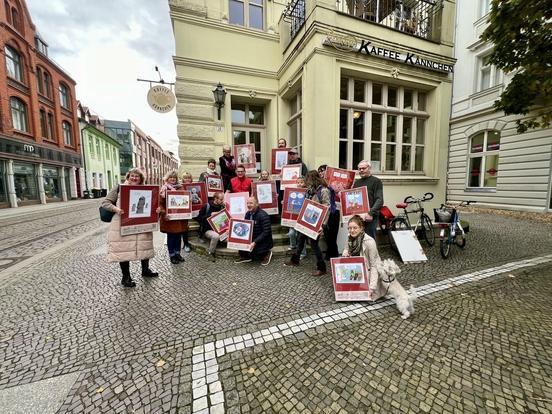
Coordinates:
43 124
47 84
107 152
14 64
64 97
483 159
388 128
51 127
489 75
67 133
99 150
43 82
15 19
248 13
91 147
19 114
484 7
8 14
248 127
295 122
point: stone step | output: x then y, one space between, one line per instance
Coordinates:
222 251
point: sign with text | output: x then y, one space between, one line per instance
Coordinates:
279 159
311 217
353 202
178 205
139 204
291 205
198 195
351 279
240 234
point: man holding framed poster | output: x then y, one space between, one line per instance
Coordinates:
279 159
265 192
261 241
351 279
244 154
213 230
139 204
236 204
354 202
240 234
290 174
198 195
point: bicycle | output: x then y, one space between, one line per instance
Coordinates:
452 232
424 225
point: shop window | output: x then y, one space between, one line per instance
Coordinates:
67 133
3 182
14 63
392 139
25 180
19 114
64 96
248 13
483 159
248 127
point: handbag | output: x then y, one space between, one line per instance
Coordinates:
105 215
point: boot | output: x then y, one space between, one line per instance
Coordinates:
126 281
146 271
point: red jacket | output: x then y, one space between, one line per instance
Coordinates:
239 185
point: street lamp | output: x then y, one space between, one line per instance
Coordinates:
220 95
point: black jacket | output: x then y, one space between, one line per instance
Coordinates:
262 230
206 211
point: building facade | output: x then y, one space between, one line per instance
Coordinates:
40 157
489 162
342 80
100 153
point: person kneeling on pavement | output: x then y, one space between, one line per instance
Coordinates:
262 235
213 206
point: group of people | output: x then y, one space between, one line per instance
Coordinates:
362 230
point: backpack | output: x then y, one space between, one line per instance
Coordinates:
333 206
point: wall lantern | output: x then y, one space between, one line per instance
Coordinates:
220 95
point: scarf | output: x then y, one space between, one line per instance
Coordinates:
354 244
211 172
230 163
168 187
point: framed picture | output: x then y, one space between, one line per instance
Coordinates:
290 174
279 159
310 219
244 154
220 223
265 191
291 205
236 204
178 205
354 201
139 204
198 196
339 179
214 185
240 234
351 279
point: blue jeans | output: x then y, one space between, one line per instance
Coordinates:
174 242
292 234
370 226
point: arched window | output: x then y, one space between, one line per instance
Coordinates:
43 81
15 19
51 127
8 11
64 96
67 133
43 124
14 64
47 84
39 81
483 159
19 114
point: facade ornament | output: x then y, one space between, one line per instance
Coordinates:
289 84
395 72
252 93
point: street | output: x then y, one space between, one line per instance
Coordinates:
220 337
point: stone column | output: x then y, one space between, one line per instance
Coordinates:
41 193
73 182
12 196
61 174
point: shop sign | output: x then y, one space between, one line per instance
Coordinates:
161 99
367 47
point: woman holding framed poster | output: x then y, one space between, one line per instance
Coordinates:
123 249
211 209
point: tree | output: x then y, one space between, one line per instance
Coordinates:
521 31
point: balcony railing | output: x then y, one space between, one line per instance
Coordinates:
416 17
294 14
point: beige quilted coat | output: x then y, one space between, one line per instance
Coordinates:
125 248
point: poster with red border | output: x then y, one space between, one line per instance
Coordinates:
214 185
354 201
311 217
236 204
220 223
279 159
351 279
266 194
290 174
178 205
244 154
240 234
291 205
198 195
139 204
339 179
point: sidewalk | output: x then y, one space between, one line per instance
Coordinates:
6 213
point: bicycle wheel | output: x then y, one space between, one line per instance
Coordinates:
445 243
428 231
398 223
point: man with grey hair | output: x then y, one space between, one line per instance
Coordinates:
262 235
227 166
375 196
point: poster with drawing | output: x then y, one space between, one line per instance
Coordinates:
354 201
290 173
220 223
139 204
291 205
240 234
265 191
351 279
279 159
339 179
310 219
236 204
214 185
198 195
178 205
244 154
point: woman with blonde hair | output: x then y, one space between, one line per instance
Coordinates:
176 230
264 176
124 249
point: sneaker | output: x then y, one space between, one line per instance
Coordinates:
289 263
187 248
266 260
291 248
318 273
174 260
242 260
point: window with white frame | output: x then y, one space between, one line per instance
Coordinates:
19 114
483 159
64 96
248 13
489 75
295 122
14 63
248 127
67 133
385 124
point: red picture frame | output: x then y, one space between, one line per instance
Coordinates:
198 195
240 234
339 179
278 157
266 194
351 279
244 154
139 204
310 219
236 204
174 208
214 222
214 184
290 173
354 201
291 205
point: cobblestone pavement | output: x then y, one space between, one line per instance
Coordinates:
132 348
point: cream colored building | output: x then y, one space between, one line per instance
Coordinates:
342 80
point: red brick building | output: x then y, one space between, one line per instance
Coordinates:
40 157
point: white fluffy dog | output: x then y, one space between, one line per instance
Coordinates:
387 271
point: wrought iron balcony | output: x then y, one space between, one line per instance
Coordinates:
416 17
294 14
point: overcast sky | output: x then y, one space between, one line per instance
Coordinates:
105 45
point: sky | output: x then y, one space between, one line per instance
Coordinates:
105 45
